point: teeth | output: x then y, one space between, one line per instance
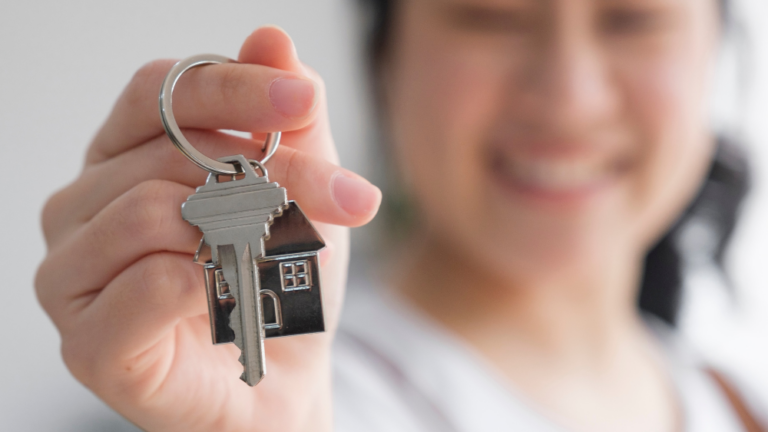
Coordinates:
555 175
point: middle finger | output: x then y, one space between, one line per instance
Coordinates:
326 192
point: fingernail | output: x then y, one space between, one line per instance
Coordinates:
354 195
293 97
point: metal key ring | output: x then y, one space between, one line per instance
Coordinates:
174 132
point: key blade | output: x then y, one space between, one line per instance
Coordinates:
241 274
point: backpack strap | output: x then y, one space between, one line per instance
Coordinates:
748 420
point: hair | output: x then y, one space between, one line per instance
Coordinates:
716 204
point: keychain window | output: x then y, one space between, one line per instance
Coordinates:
295 275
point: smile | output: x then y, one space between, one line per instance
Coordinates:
557 178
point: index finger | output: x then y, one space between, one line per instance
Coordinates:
244 97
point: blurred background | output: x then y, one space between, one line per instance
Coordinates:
68 61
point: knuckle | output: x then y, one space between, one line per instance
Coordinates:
51 213
161 277
42 290
291 169
77 359
152 71
165 153
147 210
233 83
150 75
155 275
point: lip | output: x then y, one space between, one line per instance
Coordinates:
571 197
553 179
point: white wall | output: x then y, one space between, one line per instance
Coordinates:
733 330
66 62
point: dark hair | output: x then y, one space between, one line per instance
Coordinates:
716 204
715 208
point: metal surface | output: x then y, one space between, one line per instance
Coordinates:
292 239
271 142
219 307
299 311
296 275
277 322
246 318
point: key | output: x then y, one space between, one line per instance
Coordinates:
234 217
263 275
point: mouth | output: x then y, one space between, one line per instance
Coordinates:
558 178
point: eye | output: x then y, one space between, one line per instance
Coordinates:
632 21
486 20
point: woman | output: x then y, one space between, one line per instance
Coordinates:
547 147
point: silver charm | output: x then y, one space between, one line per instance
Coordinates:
263 275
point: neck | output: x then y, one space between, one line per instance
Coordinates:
577 315
570 340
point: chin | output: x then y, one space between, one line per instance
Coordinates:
547 251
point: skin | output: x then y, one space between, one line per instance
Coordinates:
119 281
547 145
545 155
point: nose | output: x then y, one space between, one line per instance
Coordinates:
569 86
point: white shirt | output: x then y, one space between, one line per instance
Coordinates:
396 370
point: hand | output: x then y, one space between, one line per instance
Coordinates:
119 281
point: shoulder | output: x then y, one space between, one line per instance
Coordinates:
372 389
710 395
396 369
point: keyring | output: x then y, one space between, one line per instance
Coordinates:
174 132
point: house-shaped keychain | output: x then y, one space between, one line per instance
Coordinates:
289 281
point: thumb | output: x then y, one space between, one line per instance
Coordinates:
271 46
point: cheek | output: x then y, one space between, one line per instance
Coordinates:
666 99
444 98
444 92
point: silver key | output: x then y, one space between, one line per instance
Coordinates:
234 217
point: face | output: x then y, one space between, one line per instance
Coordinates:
546 135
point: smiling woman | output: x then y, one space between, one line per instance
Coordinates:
552 150
717 200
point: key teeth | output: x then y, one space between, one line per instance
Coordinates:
234 317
